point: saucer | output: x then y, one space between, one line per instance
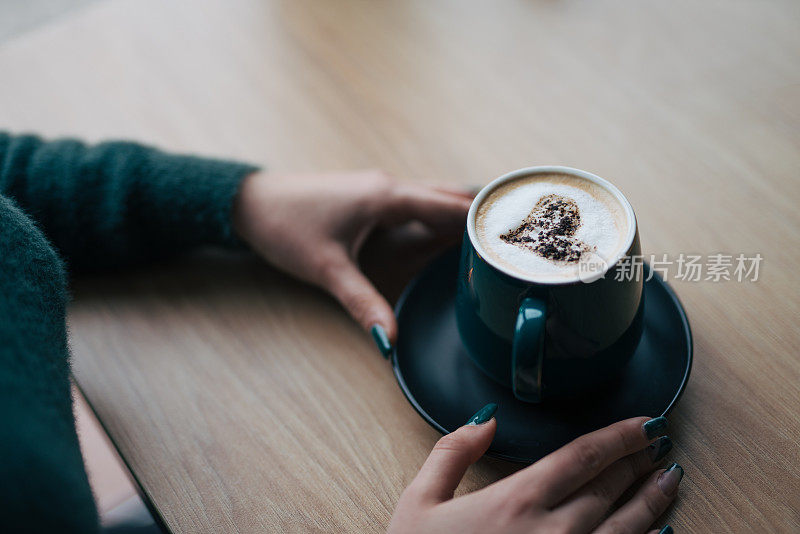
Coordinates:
446 388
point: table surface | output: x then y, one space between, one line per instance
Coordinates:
246 402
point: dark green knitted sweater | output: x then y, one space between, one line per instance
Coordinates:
91 208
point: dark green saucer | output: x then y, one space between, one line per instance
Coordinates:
446 388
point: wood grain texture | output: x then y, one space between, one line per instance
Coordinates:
246 402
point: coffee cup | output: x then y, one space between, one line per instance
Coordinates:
539 307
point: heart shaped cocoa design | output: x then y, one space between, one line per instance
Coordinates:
550 229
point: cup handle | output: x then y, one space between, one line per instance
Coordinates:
528 350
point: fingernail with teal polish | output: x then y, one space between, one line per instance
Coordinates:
666 530
483 415
659 448
381 339
668 480
655 427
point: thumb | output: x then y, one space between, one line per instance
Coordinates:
441 473
345 281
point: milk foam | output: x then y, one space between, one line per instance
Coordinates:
598 228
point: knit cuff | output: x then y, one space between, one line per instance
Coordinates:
195 195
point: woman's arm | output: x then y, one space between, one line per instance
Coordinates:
118 202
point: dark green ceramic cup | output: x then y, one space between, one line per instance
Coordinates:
549 339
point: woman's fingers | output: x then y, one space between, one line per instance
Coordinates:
586 507
345 281
442 212
550 480
647 504
451 456
468 193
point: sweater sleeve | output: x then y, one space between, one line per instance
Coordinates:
117 203
43 484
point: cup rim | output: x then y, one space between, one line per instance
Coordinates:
549 169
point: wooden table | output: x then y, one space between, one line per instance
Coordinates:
245 402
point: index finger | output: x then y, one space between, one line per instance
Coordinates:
468 193
443 213
557 475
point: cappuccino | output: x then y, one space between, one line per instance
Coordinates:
544 226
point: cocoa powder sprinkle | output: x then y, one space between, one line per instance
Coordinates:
550 229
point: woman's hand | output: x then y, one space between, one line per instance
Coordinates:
314 225
570 490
